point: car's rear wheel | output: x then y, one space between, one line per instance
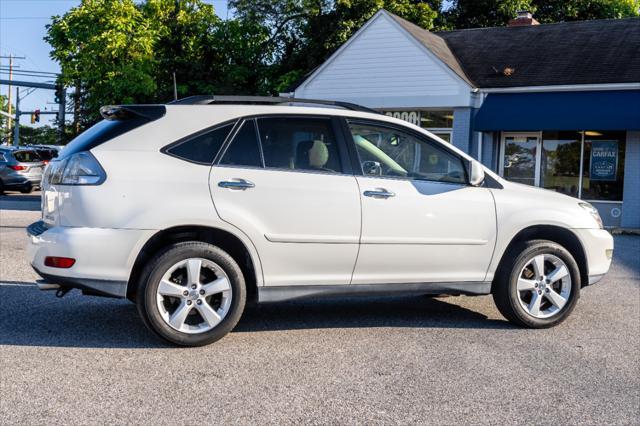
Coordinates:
27 189
1 187
192 294
538 284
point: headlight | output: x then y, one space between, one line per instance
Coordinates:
80 169
593 212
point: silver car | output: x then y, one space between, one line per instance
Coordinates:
20 169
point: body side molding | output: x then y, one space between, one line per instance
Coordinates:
282 293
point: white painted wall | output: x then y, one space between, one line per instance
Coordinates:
384 66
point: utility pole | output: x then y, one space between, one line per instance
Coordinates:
16 129
175 87
11 58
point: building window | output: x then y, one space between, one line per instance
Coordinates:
603 165
438 122
560 162
584 164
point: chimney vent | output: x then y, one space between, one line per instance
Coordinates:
524 19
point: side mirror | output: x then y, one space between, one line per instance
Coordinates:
476 173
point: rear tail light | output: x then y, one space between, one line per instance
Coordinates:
59 262
18 167
79 169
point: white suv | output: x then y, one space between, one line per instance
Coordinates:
194 209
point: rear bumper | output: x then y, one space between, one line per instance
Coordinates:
16 181
598 247
104 257
87 285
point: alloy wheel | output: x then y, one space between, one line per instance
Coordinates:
194 295
544 286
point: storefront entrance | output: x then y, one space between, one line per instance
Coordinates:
585 164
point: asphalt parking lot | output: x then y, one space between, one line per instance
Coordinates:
397 360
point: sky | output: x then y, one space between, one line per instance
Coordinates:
22 28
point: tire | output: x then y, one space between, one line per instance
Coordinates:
516 284
26 189
158 305
1 187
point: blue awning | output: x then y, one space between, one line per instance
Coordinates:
596 110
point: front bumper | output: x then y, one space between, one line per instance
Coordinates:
104 257
598 247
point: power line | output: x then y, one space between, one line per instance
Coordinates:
4 67
22 18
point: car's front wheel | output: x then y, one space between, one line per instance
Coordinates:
538 284
192 294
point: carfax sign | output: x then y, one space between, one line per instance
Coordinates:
604 160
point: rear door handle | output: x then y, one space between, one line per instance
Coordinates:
236 184
379 193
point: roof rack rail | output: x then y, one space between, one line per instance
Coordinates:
274 100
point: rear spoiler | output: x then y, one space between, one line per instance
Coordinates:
128 112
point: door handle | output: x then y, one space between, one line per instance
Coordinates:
236 184
379 193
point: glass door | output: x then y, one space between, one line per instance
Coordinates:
521 157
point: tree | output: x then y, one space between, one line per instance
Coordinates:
105 50
548 11
496 13
483 13
42 135
4 106
181 30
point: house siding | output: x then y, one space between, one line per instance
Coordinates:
462 120
383 66
631 194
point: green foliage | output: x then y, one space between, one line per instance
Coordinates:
42 135
181 35
106 48
4 106
483 13
496 13
548 11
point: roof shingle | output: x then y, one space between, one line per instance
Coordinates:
583 52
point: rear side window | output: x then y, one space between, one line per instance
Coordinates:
244 149
27 156
202 148
299 143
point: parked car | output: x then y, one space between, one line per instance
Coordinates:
20 169
194 209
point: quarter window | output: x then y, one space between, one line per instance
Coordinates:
202 148
387 151
244 149
299 144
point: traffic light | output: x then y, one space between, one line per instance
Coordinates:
59 94
36 115
33 118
